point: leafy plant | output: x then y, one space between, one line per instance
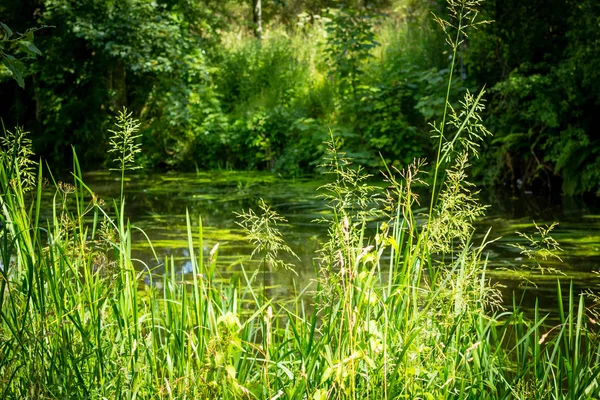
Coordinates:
350 39
541 74
19 43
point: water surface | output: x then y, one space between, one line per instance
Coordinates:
157 204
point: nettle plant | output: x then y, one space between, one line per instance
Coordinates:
350 39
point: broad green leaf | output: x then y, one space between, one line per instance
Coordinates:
9 33
17 69
327 374
29 48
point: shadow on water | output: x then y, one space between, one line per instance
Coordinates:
158 203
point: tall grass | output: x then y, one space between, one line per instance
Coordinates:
388 321
406 313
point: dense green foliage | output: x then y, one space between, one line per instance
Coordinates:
210 95
540 61
407 313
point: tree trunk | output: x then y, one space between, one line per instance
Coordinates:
117 85
36 98
257 18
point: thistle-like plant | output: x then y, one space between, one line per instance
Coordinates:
124 144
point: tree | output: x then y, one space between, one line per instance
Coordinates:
538 60
257 18
101 56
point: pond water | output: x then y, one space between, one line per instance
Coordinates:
158 203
